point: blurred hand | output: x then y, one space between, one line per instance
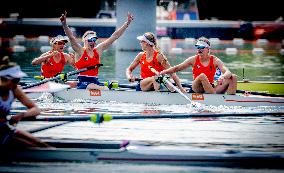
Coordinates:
16 118
220 80
63 18
131 78
129 17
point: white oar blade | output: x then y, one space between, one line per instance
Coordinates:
47 87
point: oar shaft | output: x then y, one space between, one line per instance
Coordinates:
47 127
172 85
98 118
179 91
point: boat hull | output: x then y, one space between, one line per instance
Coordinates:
168 98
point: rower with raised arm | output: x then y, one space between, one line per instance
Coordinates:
204 66
53 62
90 53
10 75
151 56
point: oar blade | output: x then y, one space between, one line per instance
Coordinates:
47 87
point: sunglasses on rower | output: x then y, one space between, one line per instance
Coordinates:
200 47
60 43
93 39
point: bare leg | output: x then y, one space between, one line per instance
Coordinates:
149 83
201 84
232 85
228 85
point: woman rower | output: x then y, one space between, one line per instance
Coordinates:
204 67
151 56
53 62
10 75
89 54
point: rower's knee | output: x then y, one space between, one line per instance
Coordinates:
234 78
202 77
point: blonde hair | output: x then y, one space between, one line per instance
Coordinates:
87 33
151 37
5 63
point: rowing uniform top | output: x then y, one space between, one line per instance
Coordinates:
86 61
52 68
6 131
209 70
145 71
5 106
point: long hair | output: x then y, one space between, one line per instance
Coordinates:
151 37
5 63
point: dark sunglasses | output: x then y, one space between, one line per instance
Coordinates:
60 43
200 47
93 39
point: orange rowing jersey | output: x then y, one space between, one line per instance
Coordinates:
209 70
145 71
87 61
52 68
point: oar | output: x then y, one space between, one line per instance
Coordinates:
172 85
102 117
47 127
62 76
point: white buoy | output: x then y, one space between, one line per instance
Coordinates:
176 50
257 51
45 48
261 41
214 40
281 51
19 38
231 51
18 48
190 41
165 44
238 41
43 38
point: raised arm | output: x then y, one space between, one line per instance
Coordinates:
76 46
43 57
106 44
131 67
